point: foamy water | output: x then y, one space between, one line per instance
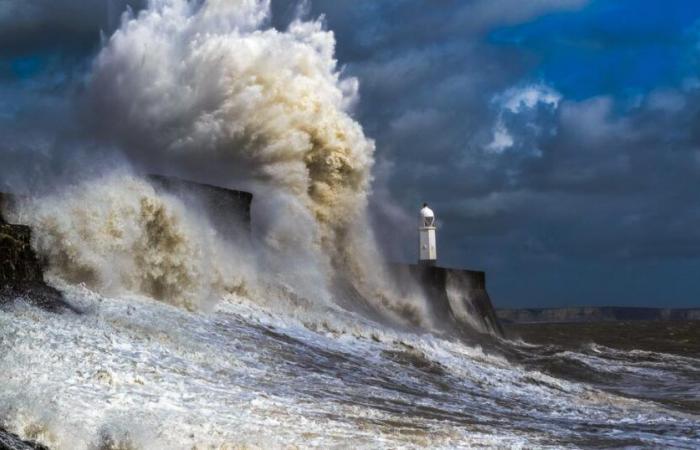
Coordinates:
135 372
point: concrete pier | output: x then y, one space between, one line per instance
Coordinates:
456 296
228 209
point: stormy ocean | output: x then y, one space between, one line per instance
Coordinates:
131 372
182 336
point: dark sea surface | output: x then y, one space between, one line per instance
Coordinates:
674 337
132 373
654 360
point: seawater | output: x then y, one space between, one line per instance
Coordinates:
134 373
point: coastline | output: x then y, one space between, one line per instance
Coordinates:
595 314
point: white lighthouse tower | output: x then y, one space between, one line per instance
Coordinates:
428 248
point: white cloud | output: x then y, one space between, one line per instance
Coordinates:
502 139
481 14
519 100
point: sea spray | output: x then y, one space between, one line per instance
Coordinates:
118 235
134 371
208 82
130 372
211 86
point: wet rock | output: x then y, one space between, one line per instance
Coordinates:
22 272
6 202
18 262
10 441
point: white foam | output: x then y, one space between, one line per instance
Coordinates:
157 376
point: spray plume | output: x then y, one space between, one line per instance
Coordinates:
188 81
210 85
117 234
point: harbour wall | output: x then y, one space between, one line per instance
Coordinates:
457 297
18 262
228 209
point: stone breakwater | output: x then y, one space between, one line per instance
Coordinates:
458 298
229 210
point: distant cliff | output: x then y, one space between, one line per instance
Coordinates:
594 314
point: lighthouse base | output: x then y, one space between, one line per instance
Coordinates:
457 298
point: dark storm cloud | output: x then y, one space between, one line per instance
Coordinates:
596 184
534 176
365 27
427 86
558 144
30 26
46 47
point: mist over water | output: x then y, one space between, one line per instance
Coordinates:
296 336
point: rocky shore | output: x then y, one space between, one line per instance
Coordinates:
21 271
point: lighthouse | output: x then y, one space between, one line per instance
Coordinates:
426 229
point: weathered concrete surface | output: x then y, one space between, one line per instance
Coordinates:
594 314
456 296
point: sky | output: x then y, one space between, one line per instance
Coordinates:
558 141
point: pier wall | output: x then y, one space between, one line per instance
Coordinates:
457 297
22 271
228 209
